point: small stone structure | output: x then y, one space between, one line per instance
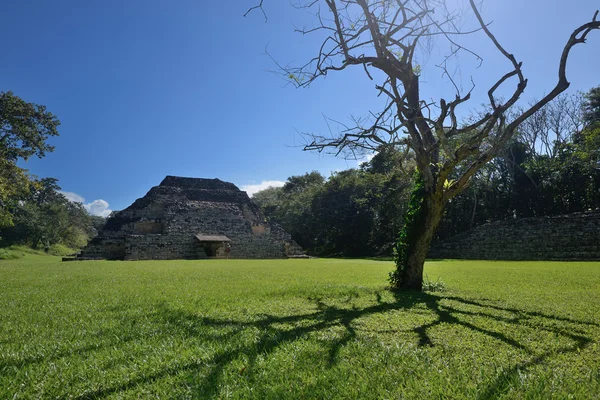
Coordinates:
565 237
191 218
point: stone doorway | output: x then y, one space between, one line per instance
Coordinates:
214 246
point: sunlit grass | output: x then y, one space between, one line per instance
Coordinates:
297 329
16 251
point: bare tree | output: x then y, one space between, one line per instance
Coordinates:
553 125
384 36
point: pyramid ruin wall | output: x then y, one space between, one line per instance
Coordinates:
163 224
566 237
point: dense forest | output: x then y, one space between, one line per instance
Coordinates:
551 167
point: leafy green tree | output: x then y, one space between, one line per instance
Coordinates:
354 213
24 128
588 141
270 200
592 107
45 217
357 213
24 131
293 207
14 184
300 183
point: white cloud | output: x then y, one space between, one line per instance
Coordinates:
366 158
97 207
252 189
74 197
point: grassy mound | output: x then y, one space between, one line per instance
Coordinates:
15 252
297 329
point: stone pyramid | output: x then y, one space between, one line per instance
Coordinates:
191 218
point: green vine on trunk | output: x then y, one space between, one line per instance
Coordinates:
410 231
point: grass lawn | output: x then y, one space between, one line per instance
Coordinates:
297 329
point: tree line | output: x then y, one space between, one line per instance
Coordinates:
32 210
550 167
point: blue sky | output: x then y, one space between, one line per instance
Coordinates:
151 88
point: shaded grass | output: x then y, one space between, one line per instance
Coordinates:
297 329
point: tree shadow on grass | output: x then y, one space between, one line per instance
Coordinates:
502 383
275 331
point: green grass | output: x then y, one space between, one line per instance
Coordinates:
297 329
15 252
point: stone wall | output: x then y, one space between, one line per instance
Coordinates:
566 237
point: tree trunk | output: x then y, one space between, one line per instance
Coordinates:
474 210
410 271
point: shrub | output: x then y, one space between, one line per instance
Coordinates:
6 254
433 286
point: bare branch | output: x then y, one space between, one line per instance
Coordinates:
259 6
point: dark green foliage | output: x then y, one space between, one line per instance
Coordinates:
14 183
354 213
413 224
592 107
300 183
388 160
348 209
291 206
24 130
44 218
